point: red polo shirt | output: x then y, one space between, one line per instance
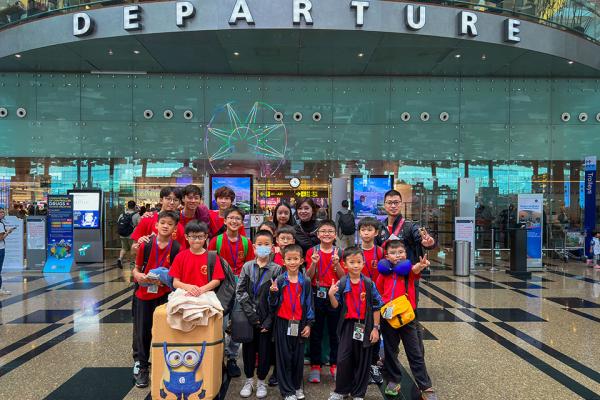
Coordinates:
356 298
372 257
217 222
164 261
147 227
291 301
324 272
278 259
385 286
233 252
192 268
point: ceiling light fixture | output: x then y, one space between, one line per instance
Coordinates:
136 52
570 62
457 56
18 55
483 57
361 55
235 53
110 52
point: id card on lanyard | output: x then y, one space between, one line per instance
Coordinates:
390 310
293 325
358 332
159 262
321 290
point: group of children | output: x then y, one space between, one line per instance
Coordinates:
288 299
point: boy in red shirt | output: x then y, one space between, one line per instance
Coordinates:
284 236
170 199
193 208
190 267
392 286
358 327
224 197
324 268
236 250
368 230
151 293
291 301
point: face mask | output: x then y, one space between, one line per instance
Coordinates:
263 251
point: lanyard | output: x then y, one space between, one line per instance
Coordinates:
293 299
234 255
394 286
374 258
324 274
399 227
356 301
257 282
159 263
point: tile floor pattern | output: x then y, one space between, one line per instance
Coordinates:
488 336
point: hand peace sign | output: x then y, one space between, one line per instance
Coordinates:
274 287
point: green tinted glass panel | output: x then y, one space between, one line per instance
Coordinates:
484 100
106 97
58 97
484 142
530 101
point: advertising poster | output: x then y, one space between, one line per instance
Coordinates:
14 243
589 218
530 209
464 229
60 234
240 184
36 234
86 210
367 195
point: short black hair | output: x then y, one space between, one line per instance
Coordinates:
327 222
285 229
345 203
131 204
351 251
392 193
393 244
196 227
292 248
169 214
232 210
263 233
192 189
167 190
369 221
268 224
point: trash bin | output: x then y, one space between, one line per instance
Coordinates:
462 258
518 251
186 363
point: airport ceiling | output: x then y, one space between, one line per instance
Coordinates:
295 52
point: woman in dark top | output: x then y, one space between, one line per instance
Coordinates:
282 215
306 230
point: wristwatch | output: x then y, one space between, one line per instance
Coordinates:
376 326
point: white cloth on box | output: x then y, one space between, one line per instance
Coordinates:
184 313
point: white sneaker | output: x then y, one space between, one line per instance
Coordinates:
261 389
136 369
336 396
5 292
290 397
248 388
300 394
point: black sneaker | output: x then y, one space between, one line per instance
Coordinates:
233 370
143 378
273 380
119 263
376 377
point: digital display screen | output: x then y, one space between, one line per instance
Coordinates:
241 185
86 210
367 195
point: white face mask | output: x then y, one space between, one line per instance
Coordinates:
263 251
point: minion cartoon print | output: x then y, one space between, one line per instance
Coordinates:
182 366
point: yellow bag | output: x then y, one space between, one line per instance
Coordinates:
398 312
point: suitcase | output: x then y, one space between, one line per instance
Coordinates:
186 365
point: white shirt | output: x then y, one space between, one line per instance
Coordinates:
2 230
596 244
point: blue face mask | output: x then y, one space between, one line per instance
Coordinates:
263 251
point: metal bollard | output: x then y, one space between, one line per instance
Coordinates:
493 252
462 258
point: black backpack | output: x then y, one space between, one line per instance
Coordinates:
175 246
125 224
226 290
346 223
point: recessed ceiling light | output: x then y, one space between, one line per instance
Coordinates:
18 55
110 52
570 62
457 56
136 52
361 55
483 57
235 53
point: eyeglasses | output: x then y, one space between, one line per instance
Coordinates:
234 218
196 237
171 199
393 203
327 232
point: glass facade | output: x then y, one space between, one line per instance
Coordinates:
510 135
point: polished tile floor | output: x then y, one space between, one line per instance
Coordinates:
488 336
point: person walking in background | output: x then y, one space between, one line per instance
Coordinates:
4 232
125 227
346 226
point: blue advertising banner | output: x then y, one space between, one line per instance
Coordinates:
589 219
60 234
531 210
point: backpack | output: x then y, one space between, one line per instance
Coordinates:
244 245
346 223
125 224
226 290
175 246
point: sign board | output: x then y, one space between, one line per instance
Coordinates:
59 257
256 220
530 210
589 218
36 234
464 229
14 243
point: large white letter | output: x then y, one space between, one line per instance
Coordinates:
131 18
302 9
511 30
241 11
466 21
360 6
410 17
185 10
82 24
